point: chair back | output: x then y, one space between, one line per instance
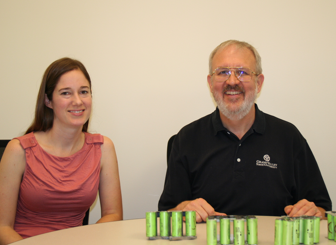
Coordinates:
3 144
86 217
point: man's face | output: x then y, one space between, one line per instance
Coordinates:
233 97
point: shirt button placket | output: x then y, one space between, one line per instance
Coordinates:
238 158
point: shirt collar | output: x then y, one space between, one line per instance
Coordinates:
258 126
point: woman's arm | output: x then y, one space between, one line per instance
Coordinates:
12 167
109 187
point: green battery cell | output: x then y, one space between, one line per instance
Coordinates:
278 232
232 218
177 224
296 231
225 231
190 222
239 231
151 225
287 231
211 226
252 230
334 219
331 230
301 235
316 229
308 236
164 224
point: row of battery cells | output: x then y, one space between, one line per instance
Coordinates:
297 230
331 225
171 225
232 230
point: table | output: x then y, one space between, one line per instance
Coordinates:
134 232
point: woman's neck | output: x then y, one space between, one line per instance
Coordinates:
62 142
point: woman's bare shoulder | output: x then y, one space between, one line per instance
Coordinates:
108 144
14 147
14 156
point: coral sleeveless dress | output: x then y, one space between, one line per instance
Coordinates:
55 192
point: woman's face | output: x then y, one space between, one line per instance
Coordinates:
71 100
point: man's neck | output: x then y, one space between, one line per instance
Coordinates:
241 126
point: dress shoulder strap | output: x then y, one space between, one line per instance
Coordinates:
27 140
94 138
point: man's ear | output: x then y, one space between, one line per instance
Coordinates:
260 82
209 82
47 102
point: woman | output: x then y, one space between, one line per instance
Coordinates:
50 176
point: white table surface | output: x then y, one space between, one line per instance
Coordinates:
134 232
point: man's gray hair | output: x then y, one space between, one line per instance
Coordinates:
238 44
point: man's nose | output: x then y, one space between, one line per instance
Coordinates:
232 80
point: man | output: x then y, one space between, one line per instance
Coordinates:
239 160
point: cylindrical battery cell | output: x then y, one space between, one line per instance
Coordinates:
165 224
239 231
287 231
301 229
177 224
334 223
252 230
316 229
211 227
331 230
296 231
151 225
308 235
190 222
278 232
232 218
225 230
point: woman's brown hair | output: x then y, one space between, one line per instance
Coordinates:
44 116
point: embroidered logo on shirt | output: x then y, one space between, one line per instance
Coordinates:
266 162
267 158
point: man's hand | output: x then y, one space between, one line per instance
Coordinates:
203 209
304 207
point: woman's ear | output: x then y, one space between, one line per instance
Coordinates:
47 102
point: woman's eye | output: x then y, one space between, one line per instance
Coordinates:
84 92
65 93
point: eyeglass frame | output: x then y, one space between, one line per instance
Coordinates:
230 68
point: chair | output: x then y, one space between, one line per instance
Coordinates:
169 146
86 217
3 144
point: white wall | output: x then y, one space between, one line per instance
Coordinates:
148 62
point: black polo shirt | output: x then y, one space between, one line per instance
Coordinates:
271 167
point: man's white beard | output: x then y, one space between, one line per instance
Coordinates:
238 113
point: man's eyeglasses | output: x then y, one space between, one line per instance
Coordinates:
242 74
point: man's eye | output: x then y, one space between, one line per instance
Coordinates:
242 73
223 72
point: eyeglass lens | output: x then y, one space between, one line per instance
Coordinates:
242 74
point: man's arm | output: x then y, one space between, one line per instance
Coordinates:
177 192
313 195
